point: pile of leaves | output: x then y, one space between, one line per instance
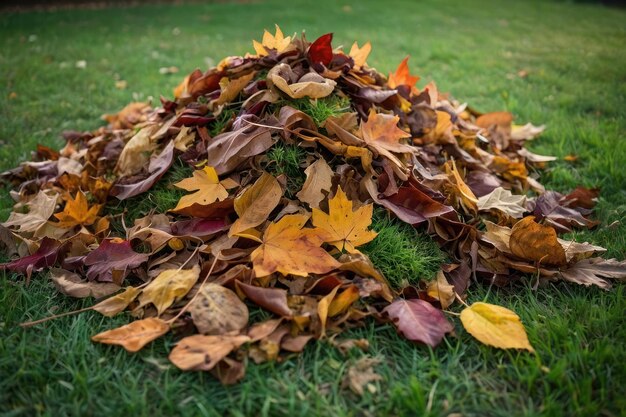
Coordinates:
246 235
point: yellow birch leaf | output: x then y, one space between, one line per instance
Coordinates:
495 326
113 305
135 335
169 286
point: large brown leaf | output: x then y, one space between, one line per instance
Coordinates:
534 242
202 353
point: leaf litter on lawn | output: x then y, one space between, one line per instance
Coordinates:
237 239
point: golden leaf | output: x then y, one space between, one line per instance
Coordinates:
113 305
289 249
277 41
402 76
534 242
202 353
135 335
495 326
207 186
359 55
256 203
77 212
169 286
441 290
343 227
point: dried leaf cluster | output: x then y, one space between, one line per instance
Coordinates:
241 237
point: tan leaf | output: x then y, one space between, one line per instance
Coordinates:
595 271
73 285
359 55
323 306
459 192
278 41
169 286
135 335
231 88
40 209
136 153
289 249
534 242
495 326
318 179
441 290
113 305
343 227
202 353
217 310
256 203
361 374
503 200
310 85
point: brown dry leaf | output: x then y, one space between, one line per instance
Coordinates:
318 179
77 212
289 249
498 118
342 227
40 209
534 242
185 138
128 116
136 152
202 353
256 203
217 310
278 41
441 290
495 326
169 286
117 303
383 136
595 271
72 284
135 335
361 374
207 186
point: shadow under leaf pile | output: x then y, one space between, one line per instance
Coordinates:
287 153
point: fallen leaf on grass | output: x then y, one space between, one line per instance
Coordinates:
503 200
441 290
169 286
217 311
74 285
208 189
532 241
418 321
118 303
112 261
77 212
361 374
202 353
135 335
40 209
495 326
256 203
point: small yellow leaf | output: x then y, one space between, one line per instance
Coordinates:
495 326
207 186
169 286
277 41
113 305
77 212
441 290
135 335
359 55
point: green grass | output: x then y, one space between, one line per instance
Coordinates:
576 84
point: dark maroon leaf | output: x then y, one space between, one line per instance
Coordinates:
320 51
418 321
112 261
50 250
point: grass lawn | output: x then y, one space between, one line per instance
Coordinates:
575 61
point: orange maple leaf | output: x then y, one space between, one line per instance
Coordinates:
382 135
78 212
402 76
289 249
344 228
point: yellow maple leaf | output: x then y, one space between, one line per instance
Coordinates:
342 227
169 286
208 188
135 335
289 249
277 41
495 326
402 76
359 55
78 212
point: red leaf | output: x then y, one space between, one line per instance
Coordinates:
111 261
320 51
419 321
46 256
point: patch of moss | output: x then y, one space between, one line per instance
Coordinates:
402 253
